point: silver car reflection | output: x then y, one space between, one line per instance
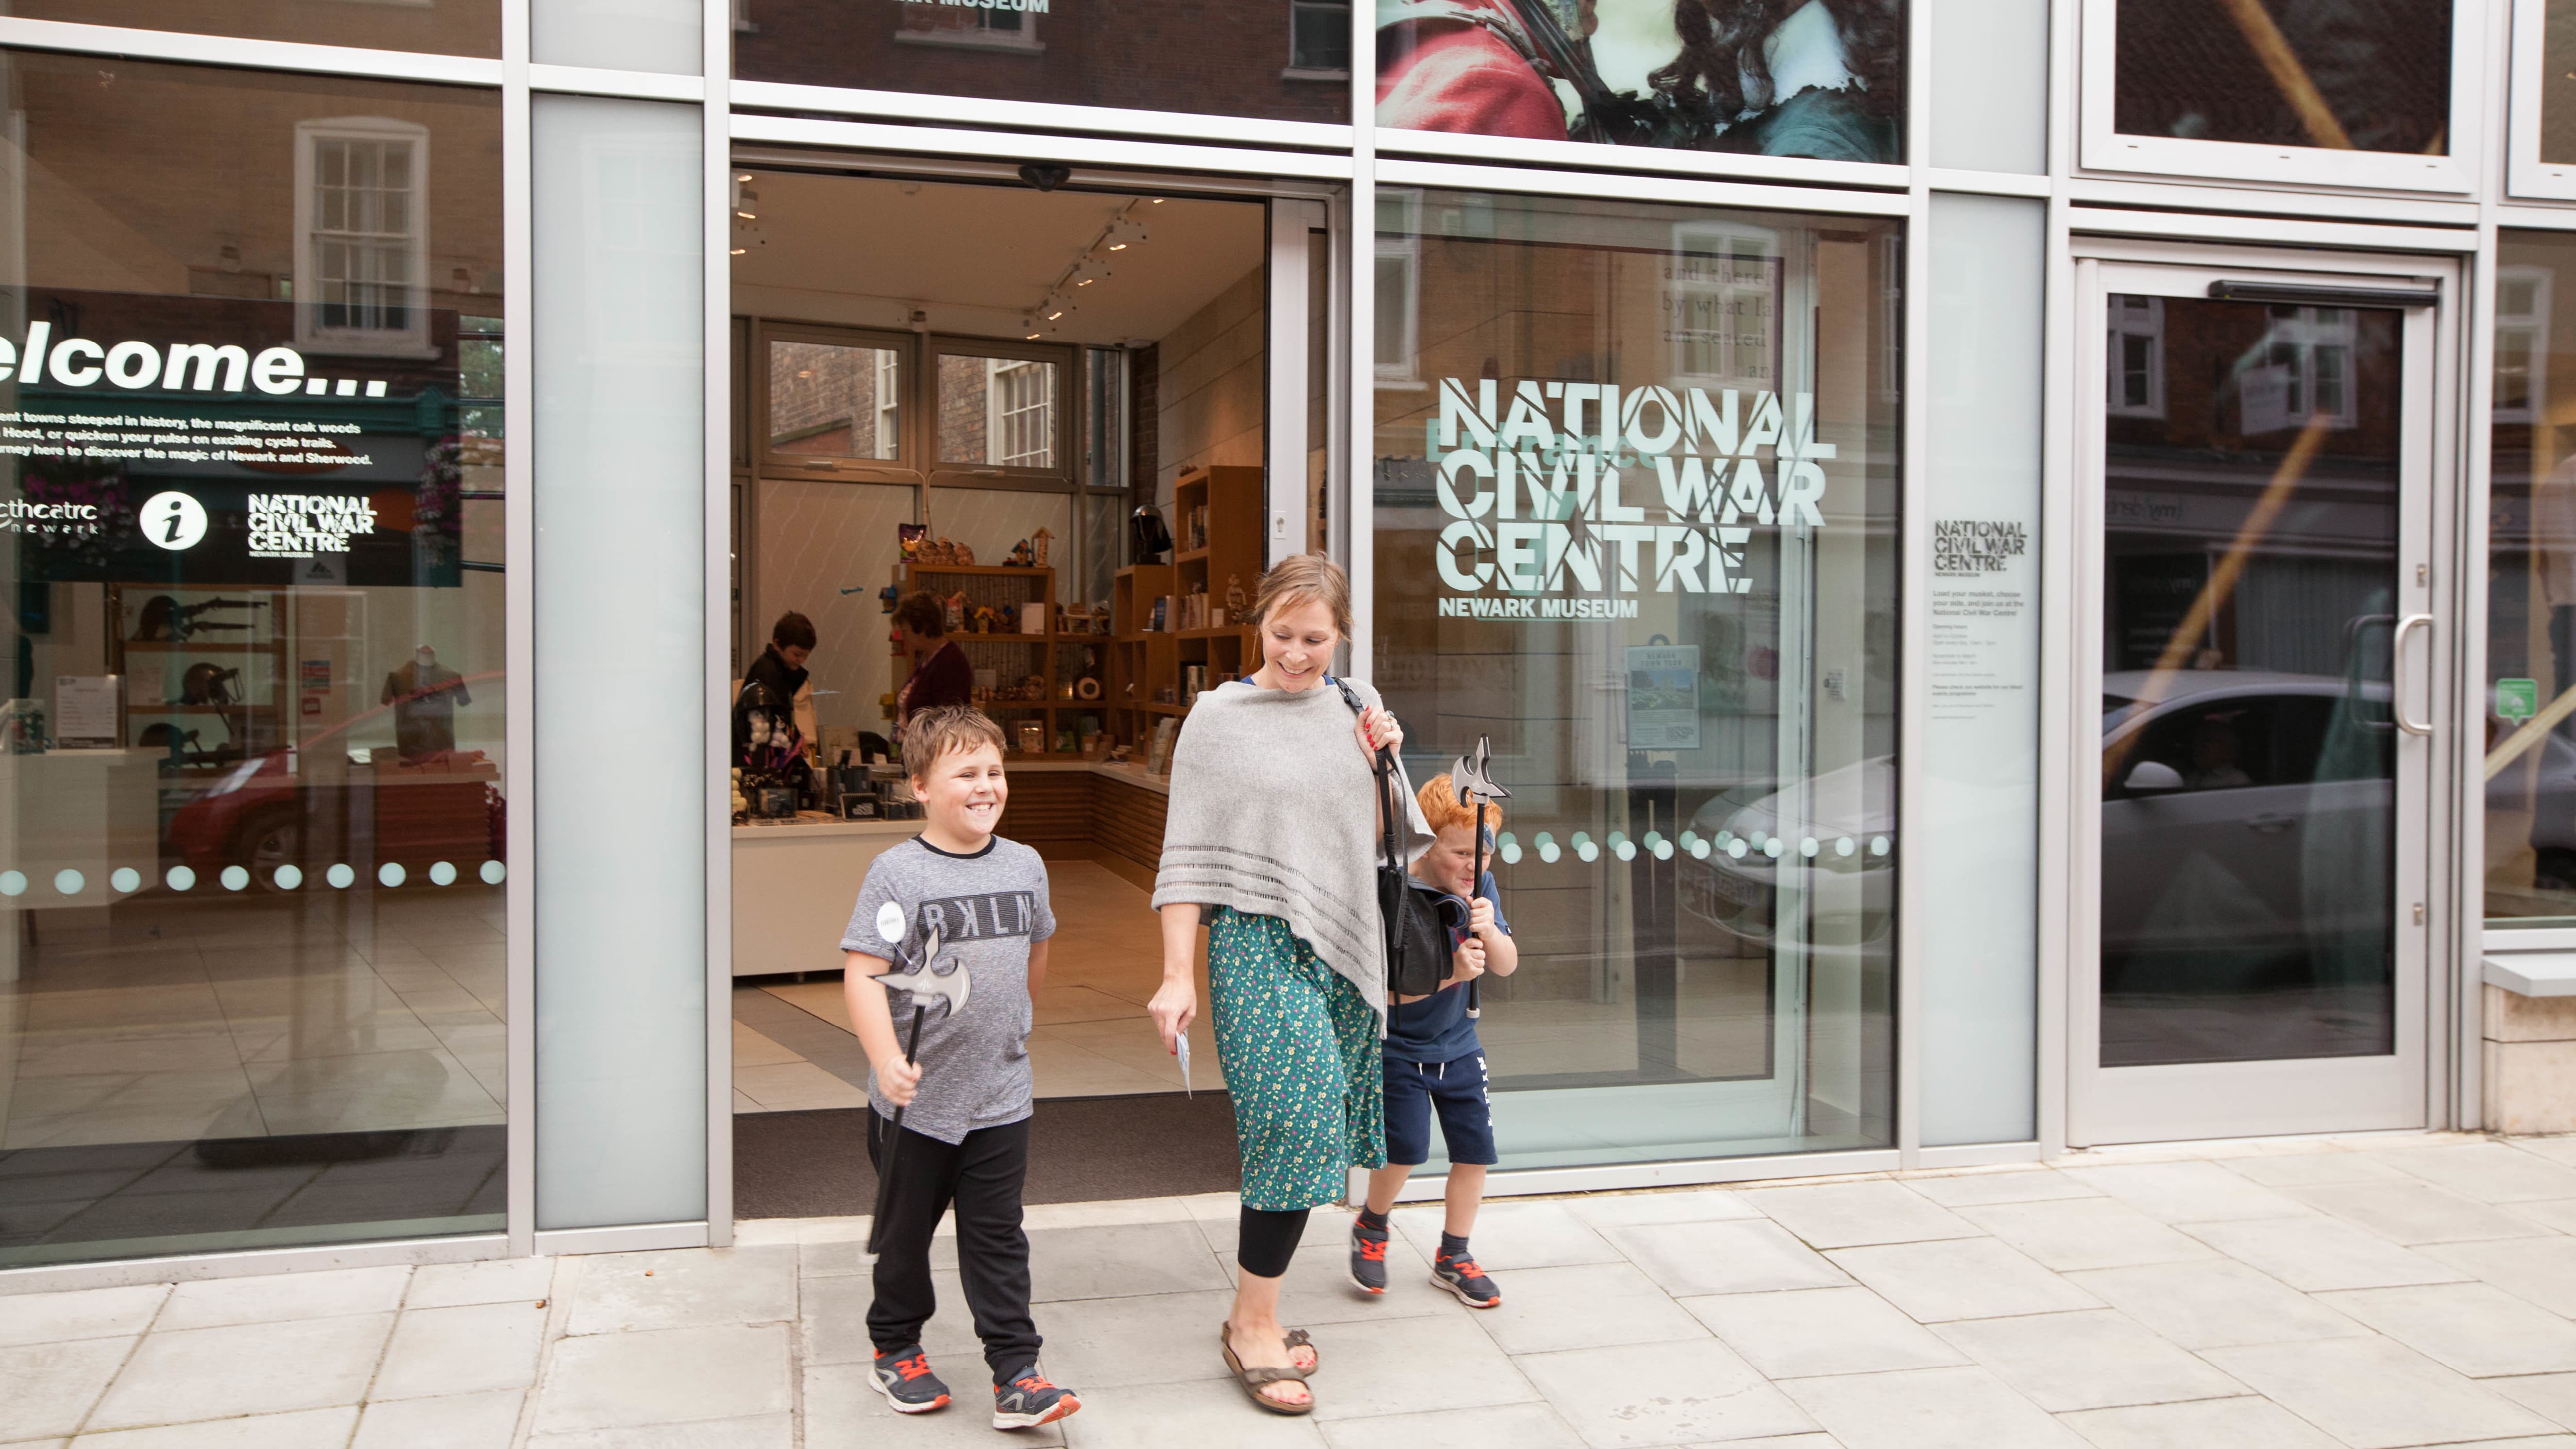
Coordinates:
1757 834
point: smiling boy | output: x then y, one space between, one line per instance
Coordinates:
966 1097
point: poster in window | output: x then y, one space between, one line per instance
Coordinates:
1663 697
1822 79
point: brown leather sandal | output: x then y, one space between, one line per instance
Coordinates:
1253 1380
1298 1338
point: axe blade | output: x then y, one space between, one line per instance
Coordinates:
1472 776
923 981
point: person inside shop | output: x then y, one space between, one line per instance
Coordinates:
941 677
783 691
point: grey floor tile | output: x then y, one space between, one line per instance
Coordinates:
461 1350
768 1431
85 1313
1726 1256
2552 1396
48 1388
2091 1360
304 1429
2187 1192
2247 1423
1318 1288
1120 1261
251 1368
834 1326
833 1260
1857 1214
2307 1169
2317 1255
502 1280
669 1376
2538 1270
1966 1278
1670 1205
1094 1343
2487 1171
2475 1328
1505 1426
842 1412
1821 1331
2084 1233
1980 1189
486 1420
1590 1305
2416 1213
1949 1408
2215 1303
1664 1393
1176 1416
1512 1235
684 1288
2558 1214
275 1297
1371 1369
2375 1394
1767 1441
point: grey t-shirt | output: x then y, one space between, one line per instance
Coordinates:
990 908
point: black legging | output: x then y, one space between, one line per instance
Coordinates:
1267 1240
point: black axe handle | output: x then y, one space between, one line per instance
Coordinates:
894 1142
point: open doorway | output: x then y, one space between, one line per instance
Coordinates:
970 389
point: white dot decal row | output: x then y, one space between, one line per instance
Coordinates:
126 880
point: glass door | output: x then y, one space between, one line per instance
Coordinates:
2257 477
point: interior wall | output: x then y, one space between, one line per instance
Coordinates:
1209 387
816 539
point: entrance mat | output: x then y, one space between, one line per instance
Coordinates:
1081 1149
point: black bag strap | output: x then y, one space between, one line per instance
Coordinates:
1389 807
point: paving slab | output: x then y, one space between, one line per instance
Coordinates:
2416 1213
2095 1359
1725 1256
2537 1270
48 1388
86 1313
1120 1261
2187 1192
501 1280
1146 1416
1415 1365
664 1376
1507 1235
277 1297
1592 1305
306 1429
1098 1343
1980 1189
2373 1393
488 1420
460 1350
2200 1424
2073 1233
2473 1328
772 1431
2319 1255
2552 1396
840 1411
1503 1426
2215 1303
683 1288
2308 1169
1945 1408
1646 1209
178 1376
2487 1171
1964 1278
1857 1214
1662 1393
1818 1331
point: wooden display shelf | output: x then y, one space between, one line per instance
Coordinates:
190 646
987 571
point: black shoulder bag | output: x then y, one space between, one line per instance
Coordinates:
1417 940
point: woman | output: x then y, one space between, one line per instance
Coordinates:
1272 834
940 673
1817 78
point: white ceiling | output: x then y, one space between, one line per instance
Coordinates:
863 251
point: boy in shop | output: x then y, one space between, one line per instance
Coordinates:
1434 1064
966 1095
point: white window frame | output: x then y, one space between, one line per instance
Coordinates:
1296 70
2117 331
999 416
2526 174
2526 333
2105 150
310 334
1726 241
2306 335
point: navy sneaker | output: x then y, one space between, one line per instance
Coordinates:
1028 1400
904 1377
1460 1275
1368 1257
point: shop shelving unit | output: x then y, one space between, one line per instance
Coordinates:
1051 655
1218 512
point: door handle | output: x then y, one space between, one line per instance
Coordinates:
2270 824
2397 675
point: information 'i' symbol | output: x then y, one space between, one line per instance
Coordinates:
173 520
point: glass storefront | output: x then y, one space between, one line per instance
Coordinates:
2530 689
251 990
2333 74
442 27
1636 508
1816 78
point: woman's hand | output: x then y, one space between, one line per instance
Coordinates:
1376 730
1173 1008
900 1080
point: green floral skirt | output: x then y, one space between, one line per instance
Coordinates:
1301 1056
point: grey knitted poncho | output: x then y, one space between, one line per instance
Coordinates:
1271 815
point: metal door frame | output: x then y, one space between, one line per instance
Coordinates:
2410 1089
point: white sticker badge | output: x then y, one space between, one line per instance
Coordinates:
890 923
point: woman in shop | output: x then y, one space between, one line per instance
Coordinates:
940 673
1272 838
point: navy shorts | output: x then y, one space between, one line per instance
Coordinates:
1457 1088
